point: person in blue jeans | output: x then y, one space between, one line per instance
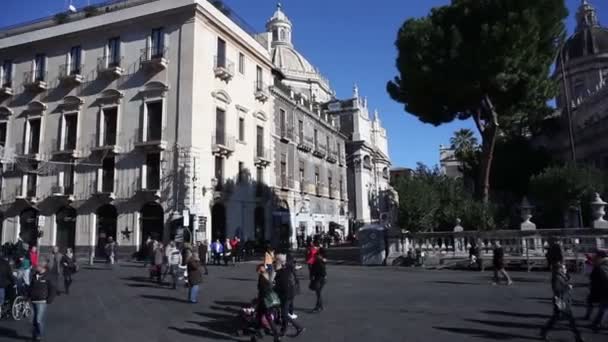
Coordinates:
42 293
195 278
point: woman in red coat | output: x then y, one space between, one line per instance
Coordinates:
33 257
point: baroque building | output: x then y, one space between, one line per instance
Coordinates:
582 74
173 120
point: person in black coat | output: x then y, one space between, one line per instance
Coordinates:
554 253
319 278
264 312
562 302
286 287
498 262
602 266
6 278
42 293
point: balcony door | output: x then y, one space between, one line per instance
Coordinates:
221 53
260 141
157 43
220 126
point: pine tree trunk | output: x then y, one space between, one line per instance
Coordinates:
487 154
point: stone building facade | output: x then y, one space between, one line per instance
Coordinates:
582 75
138 118
116 123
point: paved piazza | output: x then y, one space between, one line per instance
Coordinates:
362 304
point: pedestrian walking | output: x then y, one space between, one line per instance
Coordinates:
6 278
55 269
33 256
595 284
228 252
159 259
293 267
195 278
110 250
23 272
69 266
554 255
269 261
203 254
266 303
286 287
311 255
319 279
562 302
148 252
602 265
235 244
498 262
174 261
218 251
42 293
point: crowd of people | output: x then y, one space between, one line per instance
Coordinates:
38 278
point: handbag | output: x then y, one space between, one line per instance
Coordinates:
272 300
560 304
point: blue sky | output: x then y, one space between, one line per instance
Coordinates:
349 41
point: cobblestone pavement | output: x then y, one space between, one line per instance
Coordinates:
362 304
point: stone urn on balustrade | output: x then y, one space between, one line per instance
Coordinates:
598 211
526 215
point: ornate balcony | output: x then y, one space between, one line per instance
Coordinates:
306 144
319 151
263 157
332 157
68 153
154 59
286 133
71 74
260 91
35 81
110 67
152 145
222 145
61 192
223 69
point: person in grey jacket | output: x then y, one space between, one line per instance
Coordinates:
562 302
55 268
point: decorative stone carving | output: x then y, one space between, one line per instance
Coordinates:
526 215
458 228
598 212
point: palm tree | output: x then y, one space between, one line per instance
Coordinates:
464 141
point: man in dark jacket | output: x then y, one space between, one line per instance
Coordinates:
602 265
554 253
285 286
195 278
498 261
562 302
6 278
42 293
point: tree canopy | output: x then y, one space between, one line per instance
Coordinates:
488 60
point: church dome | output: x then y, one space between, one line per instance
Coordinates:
589 38
287 58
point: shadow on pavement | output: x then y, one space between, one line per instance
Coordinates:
146 286
504 324
164 298
515 314
204 333
451 282
485 334
12 334
239 279
231 303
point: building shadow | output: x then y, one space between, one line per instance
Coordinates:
204 334
231 303
12 335
505 324
239 279
146 286
451 282
164 298
515 314
486 335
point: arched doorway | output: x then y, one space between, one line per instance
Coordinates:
28 223
259 225
152 222
218 222
66 228
106 227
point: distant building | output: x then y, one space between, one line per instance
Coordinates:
582 74
449 164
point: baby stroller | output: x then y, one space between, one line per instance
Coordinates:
247 321
16 306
